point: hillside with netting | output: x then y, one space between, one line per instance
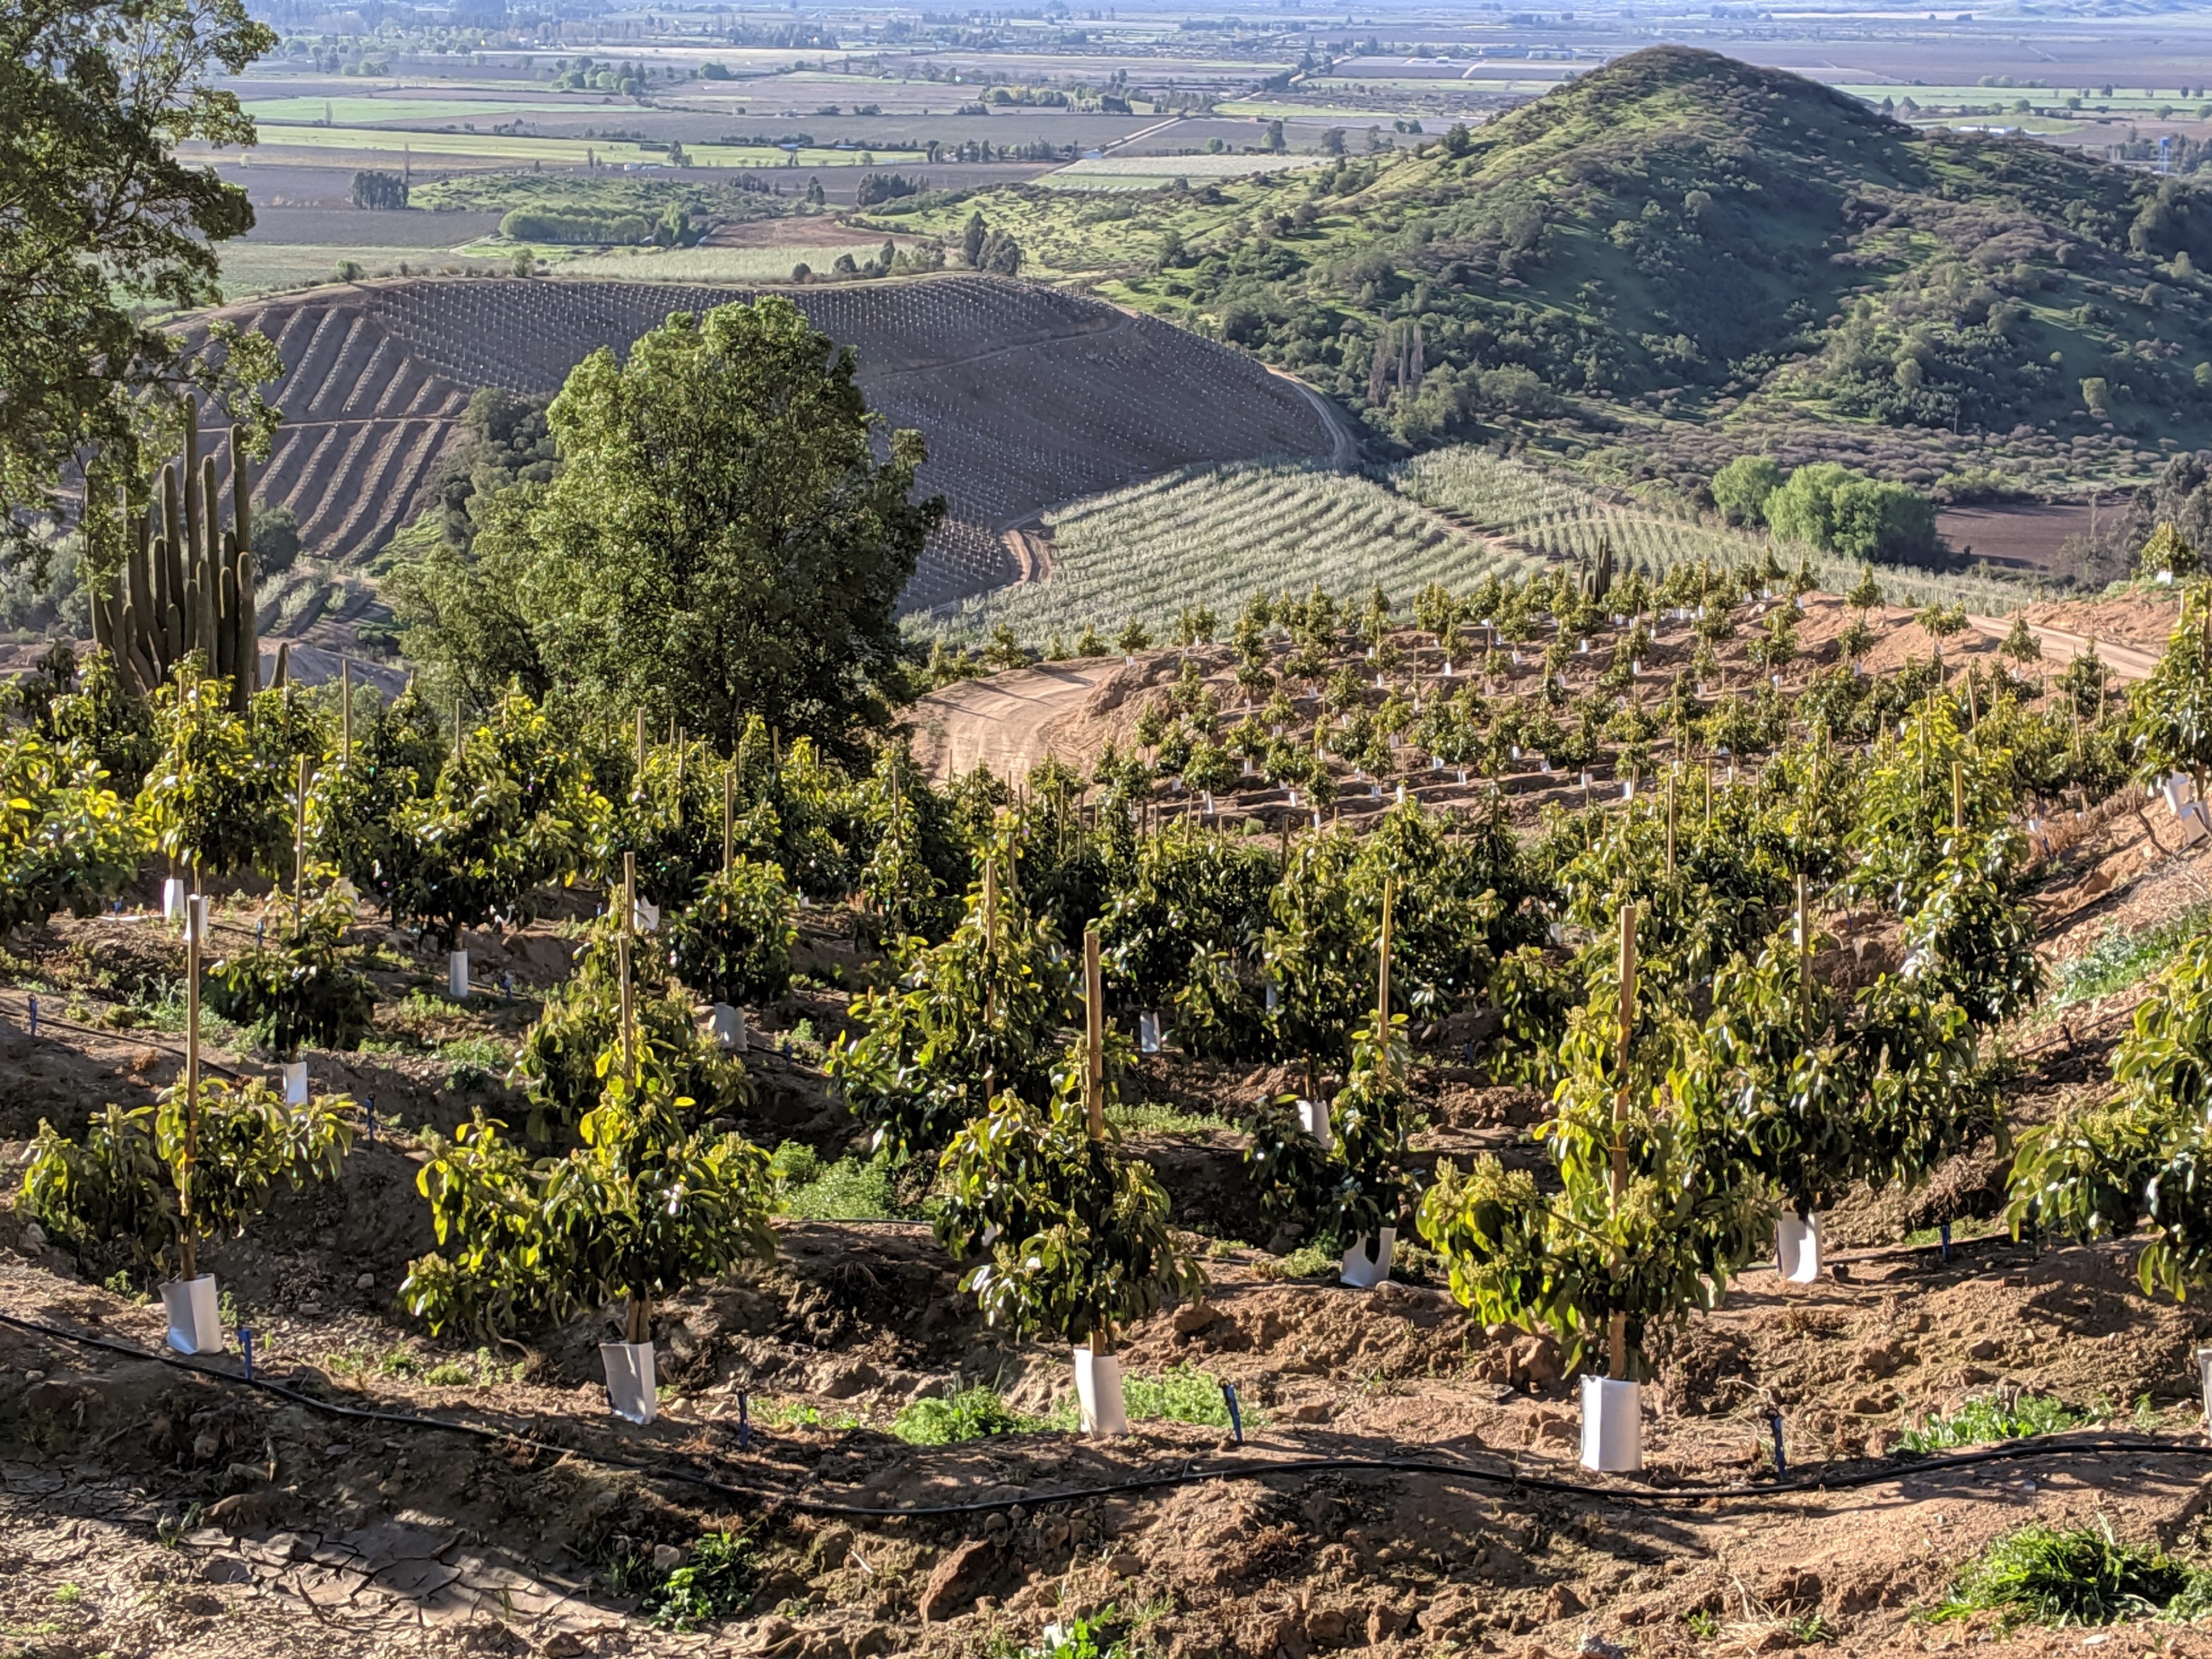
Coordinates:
1025 395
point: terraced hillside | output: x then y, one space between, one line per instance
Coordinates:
1026 395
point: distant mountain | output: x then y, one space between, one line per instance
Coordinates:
1680 256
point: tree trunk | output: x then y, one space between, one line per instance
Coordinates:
637 1325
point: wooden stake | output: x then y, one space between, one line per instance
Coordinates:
1094 1038
729 815
1670 826
1804 949
345 710
1957 798
1383 970
187 1245
1617 1366
1709 792
300 849
458 728
641 749
621 951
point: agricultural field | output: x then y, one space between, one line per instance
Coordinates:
839 1451
1209 537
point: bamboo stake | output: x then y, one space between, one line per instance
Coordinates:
1094 1037
300 849
187 1245
345 711
1804 951
1670 826
622 965
729 815
1957 798
459 726
1383 975
1617 1367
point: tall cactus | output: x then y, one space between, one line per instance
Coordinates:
189 587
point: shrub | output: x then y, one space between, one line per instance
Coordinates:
2080 1575
67 842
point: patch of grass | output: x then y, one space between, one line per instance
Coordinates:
1981 1420
850 1189
1185 1395
798 1415
1156 1118
2082 1575
1310 1261
68 1594
474 1059
1702 1624
2120 957
969 1415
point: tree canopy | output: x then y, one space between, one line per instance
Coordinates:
97 215
721 540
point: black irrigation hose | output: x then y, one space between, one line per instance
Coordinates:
1186 1475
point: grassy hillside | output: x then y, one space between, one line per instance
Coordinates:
1681 257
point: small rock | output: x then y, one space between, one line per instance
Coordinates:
206 1444
1383 1624
1125 1563
1194 1317
771 1631
365 1282
1597 1647
956 1582
1309 1411
842 1379
1563 1603
667 1558
34 1236
1984 1347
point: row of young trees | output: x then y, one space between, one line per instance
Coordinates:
1737 1084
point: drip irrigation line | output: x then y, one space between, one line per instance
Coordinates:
1186 1474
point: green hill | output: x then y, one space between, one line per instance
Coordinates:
1681 257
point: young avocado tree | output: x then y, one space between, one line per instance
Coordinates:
1648 1223
386 760
511 809
967 1021
560 1067
733 943
1181 930
67 840
213 799
155 1181
2171 723
648 1206
1065 1236
300 989
2133 1161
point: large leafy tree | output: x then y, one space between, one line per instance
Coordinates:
97 215
722 540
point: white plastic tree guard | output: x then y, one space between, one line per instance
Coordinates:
1367 1261
2204 1380
1098 1393
728 1026
457 973
632 1393
1313 1118
173 899
295 1083
195 1327
1148 1033
645 916
1613 1425
1797 1247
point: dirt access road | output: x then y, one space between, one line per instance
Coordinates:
1010 722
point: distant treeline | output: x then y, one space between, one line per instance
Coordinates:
553 225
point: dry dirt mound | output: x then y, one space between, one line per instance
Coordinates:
1026 395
